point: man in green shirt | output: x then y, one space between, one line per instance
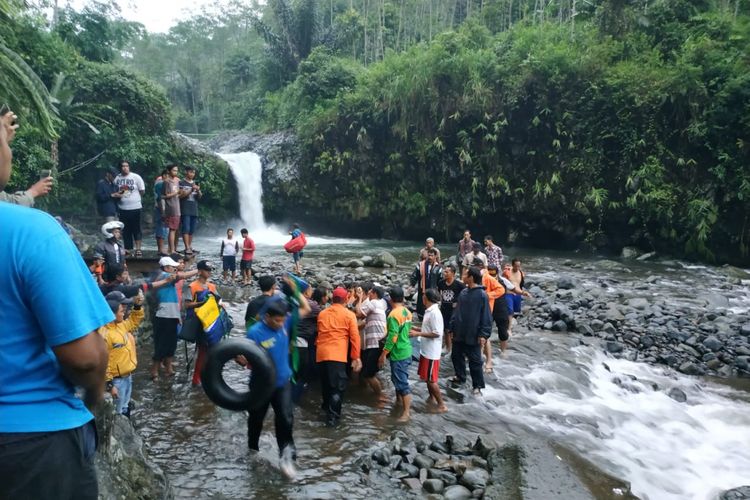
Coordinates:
398 346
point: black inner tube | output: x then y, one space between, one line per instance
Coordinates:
262 379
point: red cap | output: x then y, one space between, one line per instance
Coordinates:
341 293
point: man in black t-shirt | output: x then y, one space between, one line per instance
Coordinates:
449 288
267 286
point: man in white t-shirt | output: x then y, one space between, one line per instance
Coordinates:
131 188
430 346
230 246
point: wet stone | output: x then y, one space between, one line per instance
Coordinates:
478 493
410 470
677 394
438 447
396 461
444 476
433 486
382 456
412 483
475 478
457 492
423 462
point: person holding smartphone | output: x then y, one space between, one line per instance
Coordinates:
40 188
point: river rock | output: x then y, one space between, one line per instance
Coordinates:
433 486
457 492
677 394
411 470
475 478
646 256
423 462
613 314
384 259
382 456
629 253
638 303
566 282
367 260
445 476
712 343
690 368
741 493
745 330
614 347
559 326
412 483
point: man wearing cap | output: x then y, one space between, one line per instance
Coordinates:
476 253
338 339
168 317
107 194
48 347
198 289
121 347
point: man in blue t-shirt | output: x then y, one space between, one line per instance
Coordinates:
272 334
49 346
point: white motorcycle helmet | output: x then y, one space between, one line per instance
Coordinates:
108 227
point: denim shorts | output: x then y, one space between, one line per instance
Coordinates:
400 376
189 223
160 230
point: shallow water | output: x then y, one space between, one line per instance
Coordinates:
549 386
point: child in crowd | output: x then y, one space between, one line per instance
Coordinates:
430 347
230 247
120 341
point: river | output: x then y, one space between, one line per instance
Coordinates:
605 416
552 386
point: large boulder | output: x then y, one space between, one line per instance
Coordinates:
630 253
384 259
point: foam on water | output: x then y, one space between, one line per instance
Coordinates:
667 450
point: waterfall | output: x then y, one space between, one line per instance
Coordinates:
248 172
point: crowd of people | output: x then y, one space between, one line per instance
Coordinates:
310 333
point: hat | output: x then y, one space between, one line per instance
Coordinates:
115 298
167 261
98 256
113 171
205 265
476 246
340 293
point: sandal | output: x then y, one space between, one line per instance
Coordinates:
138 253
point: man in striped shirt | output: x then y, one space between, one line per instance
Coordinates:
373 311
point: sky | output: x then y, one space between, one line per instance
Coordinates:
155 15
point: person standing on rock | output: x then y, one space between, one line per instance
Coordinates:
190 193
372 310
118 335
493 252
48 347
426 275
471 325
230 247
172 215
296 232
464 248
248 253
131 188
428 245
107 194
429 348
398 349
338 340
449 288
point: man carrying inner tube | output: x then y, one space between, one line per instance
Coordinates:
272 334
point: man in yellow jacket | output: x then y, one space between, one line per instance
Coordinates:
121 347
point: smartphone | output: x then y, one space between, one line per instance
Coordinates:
4 109
43 174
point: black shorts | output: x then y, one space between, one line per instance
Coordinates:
502 319
246 265
165 338
49 464
370 361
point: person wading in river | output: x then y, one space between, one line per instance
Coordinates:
197 288
449 288
272 334
398 349
338 338
48 347
372 310
268 287
515 296
471 326
430 346
495 291
427 275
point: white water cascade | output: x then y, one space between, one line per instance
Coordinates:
247 170
618 414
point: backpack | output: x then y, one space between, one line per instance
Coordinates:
214 320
